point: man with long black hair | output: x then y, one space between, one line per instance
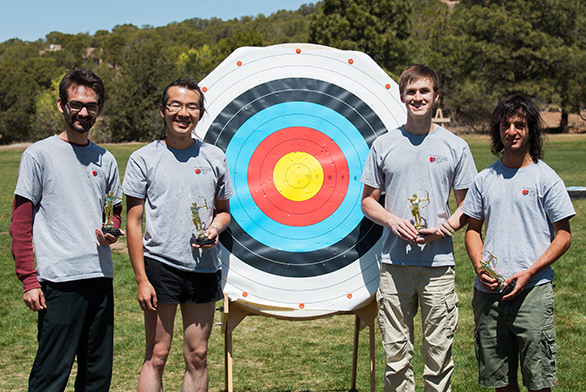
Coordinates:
527 210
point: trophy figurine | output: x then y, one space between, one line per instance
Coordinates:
488 264
416 209
200 236
108 226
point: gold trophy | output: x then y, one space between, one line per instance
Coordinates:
488 265
200 237
108 226
416 209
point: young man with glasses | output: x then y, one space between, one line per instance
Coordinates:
179 184
59 201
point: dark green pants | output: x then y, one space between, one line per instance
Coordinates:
78 321
516 331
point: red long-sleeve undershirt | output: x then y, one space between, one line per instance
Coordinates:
21 231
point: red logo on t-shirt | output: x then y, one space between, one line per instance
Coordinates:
95 173
525 192
197 171
431 159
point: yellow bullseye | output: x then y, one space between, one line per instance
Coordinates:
298 176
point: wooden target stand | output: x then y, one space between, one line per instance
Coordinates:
234 313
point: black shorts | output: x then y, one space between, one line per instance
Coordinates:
175 286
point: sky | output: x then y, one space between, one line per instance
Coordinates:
30 20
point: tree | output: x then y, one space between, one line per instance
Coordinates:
431 33
17 104
48 120
379 28
97 40
127 30
42 69
196 63
15 50
229 44
113 47
514 47
146 67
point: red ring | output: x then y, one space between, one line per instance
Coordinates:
290 212
282 149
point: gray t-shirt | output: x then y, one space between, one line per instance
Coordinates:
68 186
403 165
518 206
170 181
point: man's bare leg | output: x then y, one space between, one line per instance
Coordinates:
197 326
159 336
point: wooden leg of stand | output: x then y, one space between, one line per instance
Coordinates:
227 330
355 352
228 360
366 317
372 354
232 316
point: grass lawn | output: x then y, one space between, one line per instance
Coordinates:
276 355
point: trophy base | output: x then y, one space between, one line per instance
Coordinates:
510 287
111 230
201 239
204 241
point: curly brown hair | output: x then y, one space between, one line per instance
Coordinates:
518 105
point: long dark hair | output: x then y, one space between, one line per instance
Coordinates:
518 105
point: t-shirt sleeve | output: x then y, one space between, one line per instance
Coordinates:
29 185
114 181
473 203
557 202
115 187
224 189
135 179
372 175
465 170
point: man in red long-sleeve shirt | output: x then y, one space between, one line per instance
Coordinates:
59 200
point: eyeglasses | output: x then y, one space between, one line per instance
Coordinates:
76 106
175 107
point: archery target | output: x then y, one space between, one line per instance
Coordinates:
296 123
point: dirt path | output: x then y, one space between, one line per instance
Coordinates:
15 147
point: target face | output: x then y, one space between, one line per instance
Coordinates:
296 124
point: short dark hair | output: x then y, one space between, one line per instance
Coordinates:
524 107
82 77
416 72
189 84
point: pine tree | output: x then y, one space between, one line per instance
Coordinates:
379 28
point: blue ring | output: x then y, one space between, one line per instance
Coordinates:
256 129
